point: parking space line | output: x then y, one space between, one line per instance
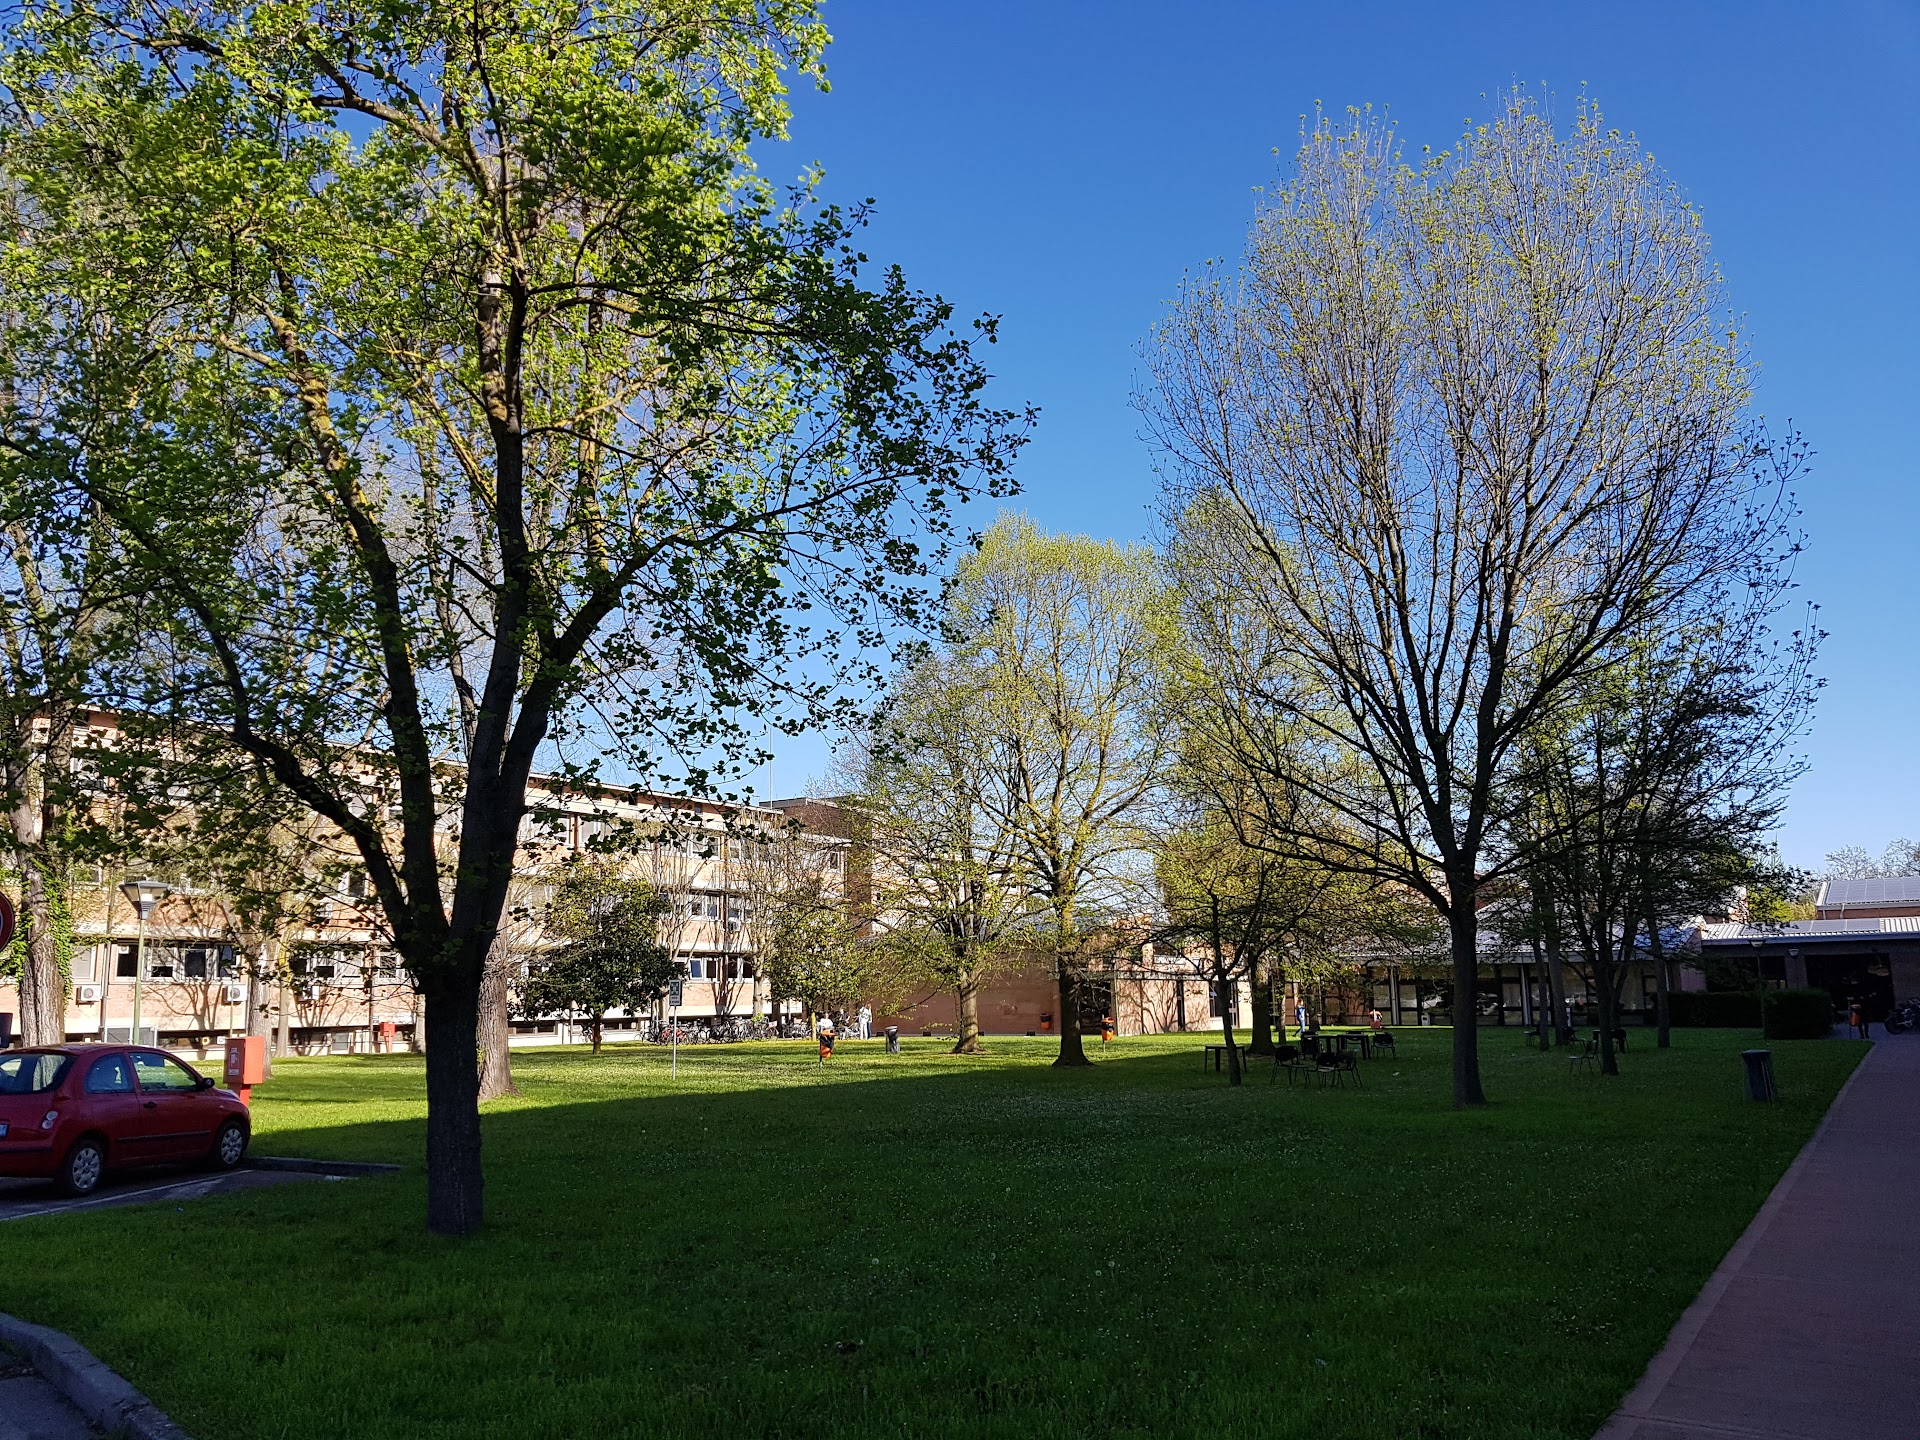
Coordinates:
119 1197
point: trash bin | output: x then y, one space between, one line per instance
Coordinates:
1759 1074
893 1039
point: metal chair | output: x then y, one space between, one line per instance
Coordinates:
1283 1055
1587 1055
1383 1040
1327 1063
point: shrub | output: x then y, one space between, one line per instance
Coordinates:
1796 1014
1728 1009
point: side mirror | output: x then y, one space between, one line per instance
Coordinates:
206 1083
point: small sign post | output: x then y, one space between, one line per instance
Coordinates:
674 991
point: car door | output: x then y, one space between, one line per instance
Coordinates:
110 1103
176 1122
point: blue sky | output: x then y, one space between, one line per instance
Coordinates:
1061 164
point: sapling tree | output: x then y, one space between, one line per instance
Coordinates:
603 950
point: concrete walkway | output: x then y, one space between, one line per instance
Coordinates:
1810 1328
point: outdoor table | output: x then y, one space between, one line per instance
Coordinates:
1217 1054
1365 1040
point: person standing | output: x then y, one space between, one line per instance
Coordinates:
866 1023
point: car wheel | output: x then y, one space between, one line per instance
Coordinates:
229 1144
86 1163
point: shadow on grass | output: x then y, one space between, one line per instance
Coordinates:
965 1247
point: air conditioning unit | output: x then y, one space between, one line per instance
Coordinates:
86 994
233 994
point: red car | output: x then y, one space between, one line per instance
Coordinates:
69 1113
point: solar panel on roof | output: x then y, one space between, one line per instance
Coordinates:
1891 890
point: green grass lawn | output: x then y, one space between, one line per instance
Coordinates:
929 1245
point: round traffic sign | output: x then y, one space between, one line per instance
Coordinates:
6 920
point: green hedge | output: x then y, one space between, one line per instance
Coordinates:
1797 1014
1718 1009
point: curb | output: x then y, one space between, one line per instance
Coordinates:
97 1392
317 1167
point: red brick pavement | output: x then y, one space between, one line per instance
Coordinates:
1810 1328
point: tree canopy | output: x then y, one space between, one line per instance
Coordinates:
462 396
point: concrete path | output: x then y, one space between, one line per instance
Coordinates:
1810 1328
31 1409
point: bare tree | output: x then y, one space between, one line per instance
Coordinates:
1454 430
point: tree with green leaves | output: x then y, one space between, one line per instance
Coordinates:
60 580
946 902
1662 773
462 399
1476 419
608 954
811 939
1064 642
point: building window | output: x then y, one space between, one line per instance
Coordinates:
196 961
695 969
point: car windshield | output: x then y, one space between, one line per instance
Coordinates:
30 1072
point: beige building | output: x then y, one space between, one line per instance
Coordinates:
332 983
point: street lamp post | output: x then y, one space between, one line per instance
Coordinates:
143 895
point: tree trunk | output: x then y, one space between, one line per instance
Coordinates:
1464 928
1261 1041
1557 991
283 1044
43 1019
1071 1050
1662 1010
260 974
454 1178
39 832
1603 978
496 1023
967 1008
593 1033
1543 998
1224 988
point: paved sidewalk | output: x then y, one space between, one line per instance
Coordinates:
1810 1328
